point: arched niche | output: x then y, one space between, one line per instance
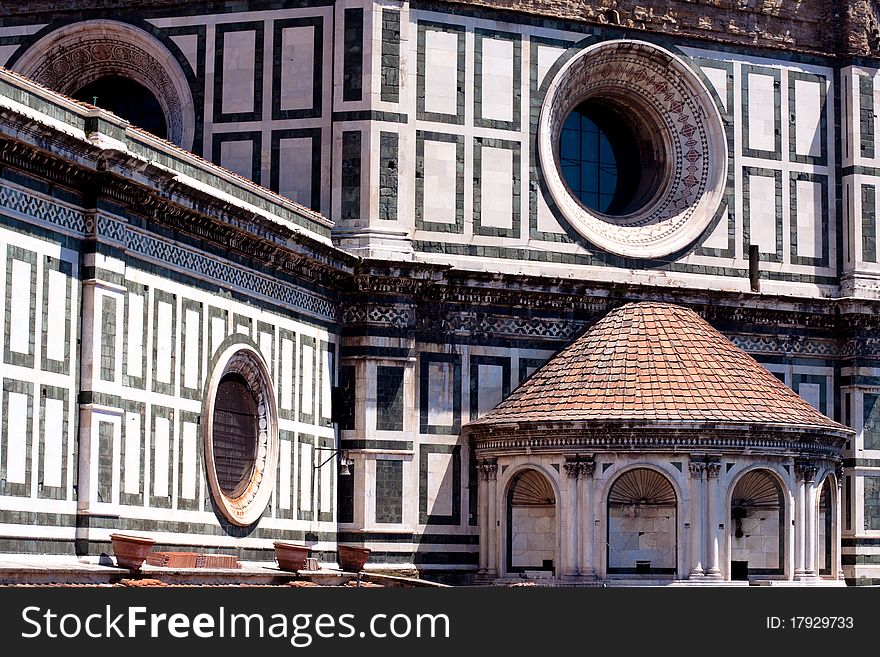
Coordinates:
757 524
642 524
531 523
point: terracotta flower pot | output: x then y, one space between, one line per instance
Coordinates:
130 551
291 556
351 558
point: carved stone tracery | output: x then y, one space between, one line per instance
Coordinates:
71 57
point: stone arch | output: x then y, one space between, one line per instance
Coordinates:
828 527
75 55
756 512
512 470
531 540
642 523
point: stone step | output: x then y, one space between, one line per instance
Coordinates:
802 582
192 560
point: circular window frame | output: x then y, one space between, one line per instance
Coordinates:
247 508
74 55
689 137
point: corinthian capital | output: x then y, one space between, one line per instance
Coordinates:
805 471
587 468
713 469
488 468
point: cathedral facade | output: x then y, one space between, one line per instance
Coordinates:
290 288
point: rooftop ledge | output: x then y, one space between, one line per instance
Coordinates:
117 139
43 570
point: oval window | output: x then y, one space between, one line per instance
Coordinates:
241 434
235 437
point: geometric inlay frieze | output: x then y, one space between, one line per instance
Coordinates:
214 269
13 200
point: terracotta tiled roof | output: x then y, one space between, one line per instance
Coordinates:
654 362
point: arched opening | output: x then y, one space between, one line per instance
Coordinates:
132 73
127 99
608 157
825 517
757 515
642 535
531 523
236 433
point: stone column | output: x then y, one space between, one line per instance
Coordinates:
799 519
713 570
490 469
697 468
569 515
810 533
483 514
837 542
586 568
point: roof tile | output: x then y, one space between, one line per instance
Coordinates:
656 361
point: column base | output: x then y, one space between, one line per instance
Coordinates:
589 574
696 573
713 573
485 577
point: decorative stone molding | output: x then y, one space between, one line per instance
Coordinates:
807 25
74 55
407 282
488 469
713 469
479 324
806 471
247 507
599 439
397 316
696 469
587 468
579 466
674 114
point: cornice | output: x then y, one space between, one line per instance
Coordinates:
524 437
159 198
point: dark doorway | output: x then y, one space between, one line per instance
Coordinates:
739 571
127 99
